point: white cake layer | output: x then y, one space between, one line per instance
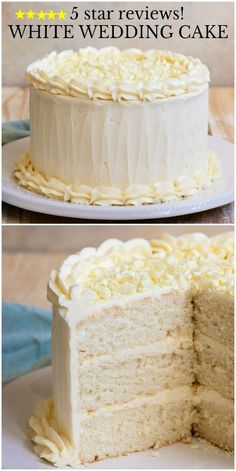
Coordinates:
215 418
108 333
214 315
135 323
120 377
138 425
215 365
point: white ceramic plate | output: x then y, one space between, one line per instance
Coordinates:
220 193
19 400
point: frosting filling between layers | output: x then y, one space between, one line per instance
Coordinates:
160 192
55 447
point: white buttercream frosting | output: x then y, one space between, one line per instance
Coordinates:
117 269
111 74
104 152
111 127
160 192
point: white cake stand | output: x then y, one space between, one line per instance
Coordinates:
19 400
220 193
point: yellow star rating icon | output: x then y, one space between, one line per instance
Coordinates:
51 15
19 15
61 15
30 14
41 15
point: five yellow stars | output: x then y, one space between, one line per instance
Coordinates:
42 15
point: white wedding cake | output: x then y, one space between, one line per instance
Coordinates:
111 127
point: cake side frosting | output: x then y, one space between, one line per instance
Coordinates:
110 152
160 192
119 269
104 152
111 74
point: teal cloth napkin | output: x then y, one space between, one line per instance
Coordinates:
26 339
15 130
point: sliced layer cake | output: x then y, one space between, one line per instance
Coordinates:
142 349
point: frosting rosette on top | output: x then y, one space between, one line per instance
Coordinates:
112 74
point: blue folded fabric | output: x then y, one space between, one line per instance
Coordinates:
15 130
26 339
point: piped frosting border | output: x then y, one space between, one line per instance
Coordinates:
161 192
117 269
111 74
49 443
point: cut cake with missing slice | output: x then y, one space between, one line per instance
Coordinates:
142 343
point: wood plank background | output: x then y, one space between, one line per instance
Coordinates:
221 124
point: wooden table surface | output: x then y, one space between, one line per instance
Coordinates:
16 104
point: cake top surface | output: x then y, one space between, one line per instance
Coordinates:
111 74
119 269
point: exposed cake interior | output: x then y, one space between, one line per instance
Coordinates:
142 349
214 367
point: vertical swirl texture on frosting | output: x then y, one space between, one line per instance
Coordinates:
119 269
111 74
109 153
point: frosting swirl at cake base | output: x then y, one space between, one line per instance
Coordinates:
160 192
49 443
